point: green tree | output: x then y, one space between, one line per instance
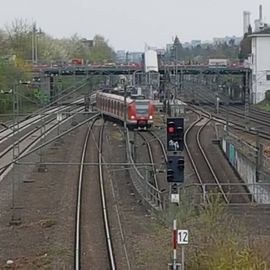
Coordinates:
101 52
20 39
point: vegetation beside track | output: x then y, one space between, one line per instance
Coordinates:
217 239
265 104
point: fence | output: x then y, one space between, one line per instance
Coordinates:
149 193
248 169
199 194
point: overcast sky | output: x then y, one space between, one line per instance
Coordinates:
130 24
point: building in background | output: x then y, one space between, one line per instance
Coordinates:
121 56
88 42
134 57
195 43
126 57
260 64
229 40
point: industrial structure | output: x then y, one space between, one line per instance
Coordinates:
246 21
260 65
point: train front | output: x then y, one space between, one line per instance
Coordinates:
141 113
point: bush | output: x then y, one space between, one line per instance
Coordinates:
216 239
267 95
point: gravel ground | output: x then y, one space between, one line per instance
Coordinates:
44 239
147 241
46 201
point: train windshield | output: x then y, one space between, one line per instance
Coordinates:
141 108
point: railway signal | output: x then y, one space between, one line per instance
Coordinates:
175 134
175 169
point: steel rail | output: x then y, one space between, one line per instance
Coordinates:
45 108
150 152
198 138
188 151
104 206
79 199
50 141
232 124
161 145
24 152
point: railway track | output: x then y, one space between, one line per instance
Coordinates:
25 142
93 241
24 124
7 128
158 158
236 115
210 179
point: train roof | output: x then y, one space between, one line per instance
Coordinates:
114 97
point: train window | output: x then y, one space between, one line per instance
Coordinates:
118 108
122 109
109 106
141 108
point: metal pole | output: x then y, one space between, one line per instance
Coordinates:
174 244
16 151
246 100
204 193
36 48
135 146
227 116
183 258
217 105
146 182
125 107
257 154
33 44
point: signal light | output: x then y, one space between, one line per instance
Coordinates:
175 169
171 130
170 175
181 163
175 134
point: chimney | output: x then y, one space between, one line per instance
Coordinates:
246 21
261 13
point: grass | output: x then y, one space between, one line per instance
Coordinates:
217 240
263 106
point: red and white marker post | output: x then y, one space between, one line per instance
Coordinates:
174 244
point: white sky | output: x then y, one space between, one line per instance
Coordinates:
129 24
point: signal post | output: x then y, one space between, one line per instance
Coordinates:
175 176
176 162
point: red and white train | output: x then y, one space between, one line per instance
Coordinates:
140 112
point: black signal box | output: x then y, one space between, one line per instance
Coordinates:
175 134
175 169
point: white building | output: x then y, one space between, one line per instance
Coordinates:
260 65
150 61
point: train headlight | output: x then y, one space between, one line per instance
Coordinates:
132 117
150 117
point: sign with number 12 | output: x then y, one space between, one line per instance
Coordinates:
182 237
